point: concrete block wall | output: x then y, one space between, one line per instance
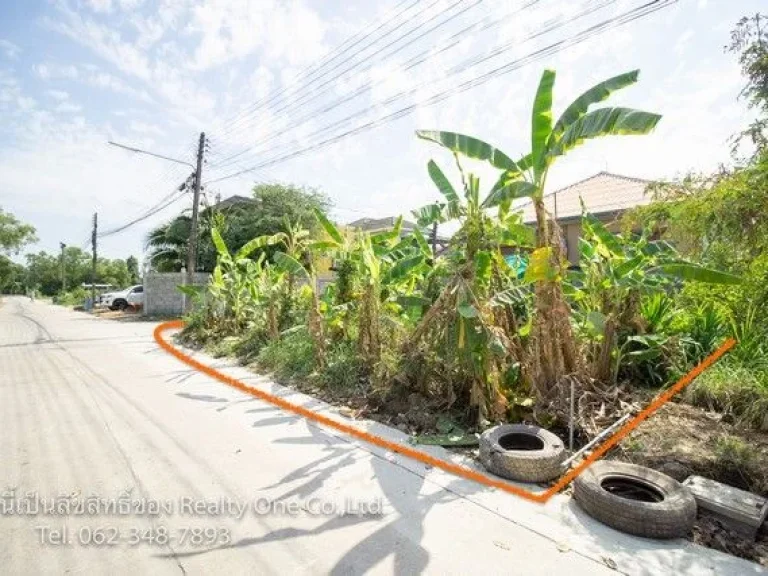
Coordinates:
161 295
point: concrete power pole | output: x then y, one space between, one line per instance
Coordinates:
93 260
63 269
192 248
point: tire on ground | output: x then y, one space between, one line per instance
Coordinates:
522 452
666 509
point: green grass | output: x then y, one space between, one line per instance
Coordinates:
293 356
344 369
740 393
250 345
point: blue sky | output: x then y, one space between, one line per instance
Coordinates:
153 74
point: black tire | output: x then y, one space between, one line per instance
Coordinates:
635 499
522 452
120 305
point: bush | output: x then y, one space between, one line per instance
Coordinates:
740 393
344 370
292 356
248 347
74 297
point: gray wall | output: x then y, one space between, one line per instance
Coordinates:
161 295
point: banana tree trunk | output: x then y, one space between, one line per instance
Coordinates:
369 340
603 370
553 352
317 331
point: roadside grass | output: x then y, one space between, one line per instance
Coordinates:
680 440
733 456
740 393
290 357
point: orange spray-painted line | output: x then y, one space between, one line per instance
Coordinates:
418 455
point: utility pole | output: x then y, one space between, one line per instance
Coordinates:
192 247
63 271
93 260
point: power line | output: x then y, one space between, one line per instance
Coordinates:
170 174
311 92
578 38
312 69
413 62
592 6
155 210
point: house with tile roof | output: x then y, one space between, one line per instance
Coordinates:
606 196
374 225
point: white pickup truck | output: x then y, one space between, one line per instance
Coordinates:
132 297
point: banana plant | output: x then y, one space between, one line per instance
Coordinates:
554 349
462 328
234 274
305 273
616 273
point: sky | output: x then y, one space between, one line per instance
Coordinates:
272 81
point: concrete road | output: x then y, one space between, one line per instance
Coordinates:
98 426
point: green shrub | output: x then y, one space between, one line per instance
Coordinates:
292 356
249 346
740 393
223 347
74 297
344 370
733 451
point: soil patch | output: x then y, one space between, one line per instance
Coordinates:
681 440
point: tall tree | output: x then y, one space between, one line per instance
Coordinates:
237 223
750 41
11 276
132 264
14 234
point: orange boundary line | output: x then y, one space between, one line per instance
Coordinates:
427 458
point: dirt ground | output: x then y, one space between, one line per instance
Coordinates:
680 440
129 315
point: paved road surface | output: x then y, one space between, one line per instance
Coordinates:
92 408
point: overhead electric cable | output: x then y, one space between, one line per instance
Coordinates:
558 46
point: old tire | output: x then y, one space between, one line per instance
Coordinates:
635 499
522 452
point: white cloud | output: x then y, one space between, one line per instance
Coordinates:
683 41
91 75
130 4
103 6
10 49
26 103
104 40
145 128
283 31
55 71
68 108
59 95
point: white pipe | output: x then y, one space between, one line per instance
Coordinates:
597 439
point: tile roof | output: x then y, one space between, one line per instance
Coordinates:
603 192
375 224
234 201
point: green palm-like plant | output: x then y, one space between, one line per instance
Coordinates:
234 277
553 351
167 245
